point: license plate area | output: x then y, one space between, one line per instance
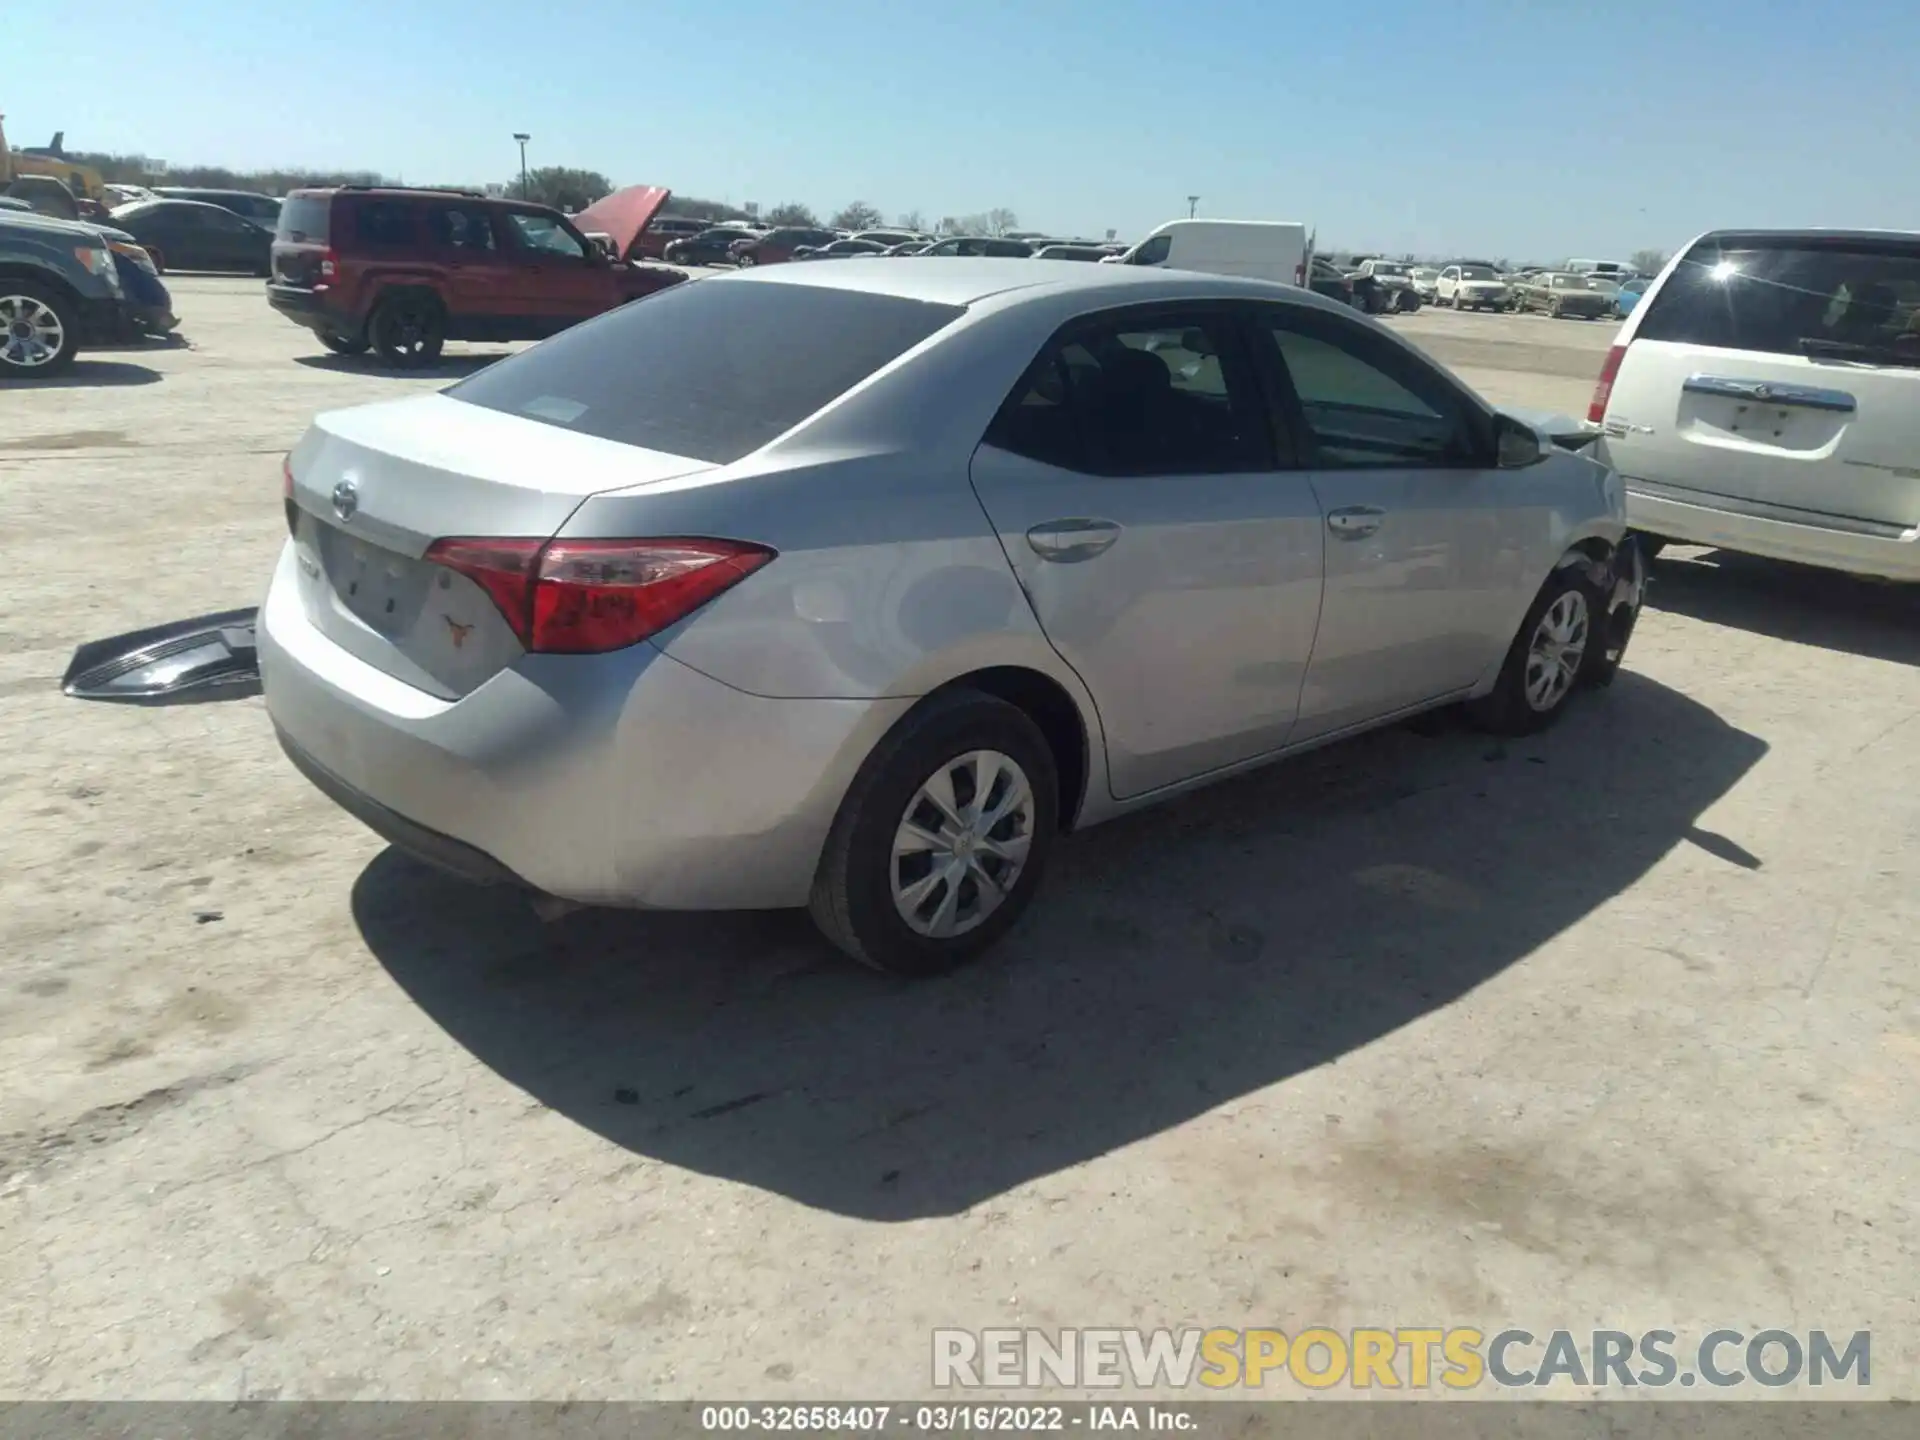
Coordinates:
381 588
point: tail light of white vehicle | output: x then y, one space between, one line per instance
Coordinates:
1603 388
286 494
584 597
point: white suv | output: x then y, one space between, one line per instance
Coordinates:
1764 396
1470 287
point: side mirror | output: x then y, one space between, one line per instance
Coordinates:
1518 445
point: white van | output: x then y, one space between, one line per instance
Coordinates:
1260 249
1764 396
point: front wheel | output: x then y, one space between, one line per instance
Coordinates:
942 838
345 344
39 332
1544 663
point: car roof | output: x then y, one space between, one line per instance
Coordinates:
1813 236
962 280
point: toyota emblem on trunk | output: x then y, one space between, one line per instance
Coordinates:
346 499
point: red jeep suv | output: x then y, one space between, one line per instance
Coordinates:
403 271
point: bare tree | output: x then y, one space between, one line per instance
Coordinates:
949 225
857 216
791 212
912 220
1000 220
972 224
1648 262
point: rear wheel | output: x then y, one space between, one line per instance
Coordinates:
39 334
1545 661
942 839
746 261
408 330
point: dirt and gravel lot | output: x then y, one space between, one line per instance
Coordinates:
1617 1027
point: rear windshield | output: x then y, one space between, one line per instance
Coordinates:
1791 296
710 369
303 218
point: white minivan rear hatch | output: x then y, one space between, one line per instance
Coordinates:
1778 371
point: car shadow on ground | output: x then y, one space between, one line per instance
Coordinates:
1175 960
98 372
447 367
1874 619
134 344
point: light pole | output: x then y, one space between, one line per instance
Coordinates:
1193 204
523 164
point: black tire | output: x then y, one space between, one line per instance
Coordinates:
853 890
159 258
1506 709
51 327
345 344
746 261
408 330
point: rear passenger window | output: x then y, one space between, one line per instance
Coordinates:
1788 296
460 227
1137 397
1365 405
384 222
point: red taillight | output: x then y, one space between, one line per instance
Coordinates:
1300 274
582 597
329 265
1603 388
286 493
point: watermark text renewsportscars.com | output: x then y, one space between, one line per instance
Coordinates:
1397 1358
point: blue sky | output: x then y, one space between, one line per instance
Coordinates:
1526 131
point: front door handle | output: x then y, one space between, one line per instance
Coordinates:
1355 521
1068 541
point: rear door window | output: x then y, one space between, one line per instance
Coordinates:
1784 295
461 227
708 370
1139 394
384 222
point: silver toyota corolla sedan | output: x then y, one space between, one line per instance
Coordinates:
853 586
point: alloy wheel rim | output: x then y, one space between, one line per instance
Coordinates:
1554 653
31 334
962 844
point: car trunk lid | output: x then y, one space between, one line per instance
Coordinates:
301 238
372 488
1781 373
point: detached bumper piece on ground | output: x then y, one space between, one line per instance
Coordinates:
210 657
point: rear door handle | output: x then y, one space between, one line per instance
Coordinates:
1352 522
1067 541
1768 392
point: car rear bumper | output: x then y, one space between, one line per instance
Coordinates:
311 308
1894 557
623 779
